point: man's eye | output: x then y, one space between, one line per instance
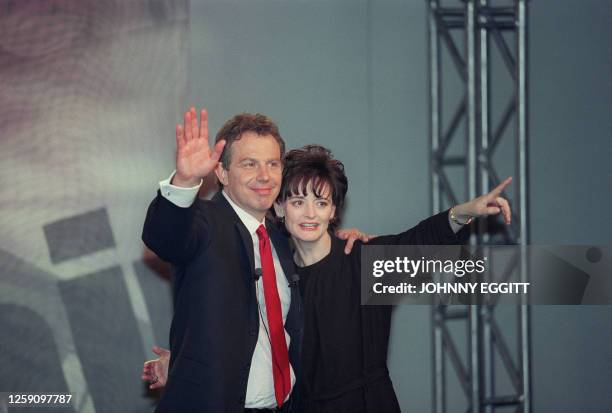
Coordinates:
248 165
274 164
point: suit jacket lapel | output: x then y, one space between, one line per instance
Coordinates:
245 237
279 240
247 242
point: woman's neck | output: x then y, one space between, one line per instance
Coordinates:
311 252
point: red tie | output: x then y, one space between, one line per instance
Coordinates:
280 356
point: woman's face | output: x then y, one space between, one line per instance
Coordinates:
307 216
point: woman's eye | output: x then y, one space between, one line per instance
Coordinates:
296 203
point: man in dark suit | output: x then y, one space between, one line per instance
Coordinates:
237 326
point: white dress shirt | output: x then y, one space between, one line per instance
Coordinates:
260 387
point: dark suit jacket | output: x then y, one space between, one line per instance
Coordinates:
216 322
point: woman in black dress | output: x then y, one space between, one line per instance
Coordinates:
344 353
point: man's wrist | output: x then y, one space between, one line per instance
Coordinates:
180 196
182 182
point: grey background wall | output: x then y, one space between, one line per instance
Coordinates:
352 75
571 181
86 132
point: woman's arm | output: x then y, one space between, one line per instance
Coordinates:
449 227
489 204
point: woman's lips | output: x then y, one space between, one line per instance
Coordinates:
309 226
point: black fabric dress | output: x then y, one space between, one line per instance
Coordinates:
344 353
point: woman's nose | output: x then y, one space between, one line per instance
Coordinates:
310 210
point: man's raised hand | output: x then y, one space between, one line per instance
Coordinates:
194 158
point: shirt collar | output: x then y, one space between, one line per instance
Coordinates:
249 221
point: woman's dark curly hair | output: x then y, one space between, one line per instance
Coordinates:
316 164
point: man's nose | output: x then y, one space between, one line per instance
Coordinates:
263 173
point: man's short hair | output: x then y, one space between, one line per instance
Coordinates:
233 129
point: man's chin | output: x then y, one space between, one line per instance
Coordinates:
262 204
265 206
266 199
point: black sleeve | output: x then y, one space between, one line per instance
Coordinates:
175 234
434 230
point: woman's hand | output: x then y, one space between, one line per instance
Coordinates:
156 371
488 204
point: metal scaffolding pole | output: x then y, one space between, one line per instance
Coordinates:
482 24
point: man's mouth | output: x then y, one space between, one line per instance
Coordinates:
263 191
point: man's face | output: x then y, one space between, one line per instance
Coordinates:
255 173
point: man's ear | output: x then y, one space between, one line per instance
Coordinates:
221 173
280 212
